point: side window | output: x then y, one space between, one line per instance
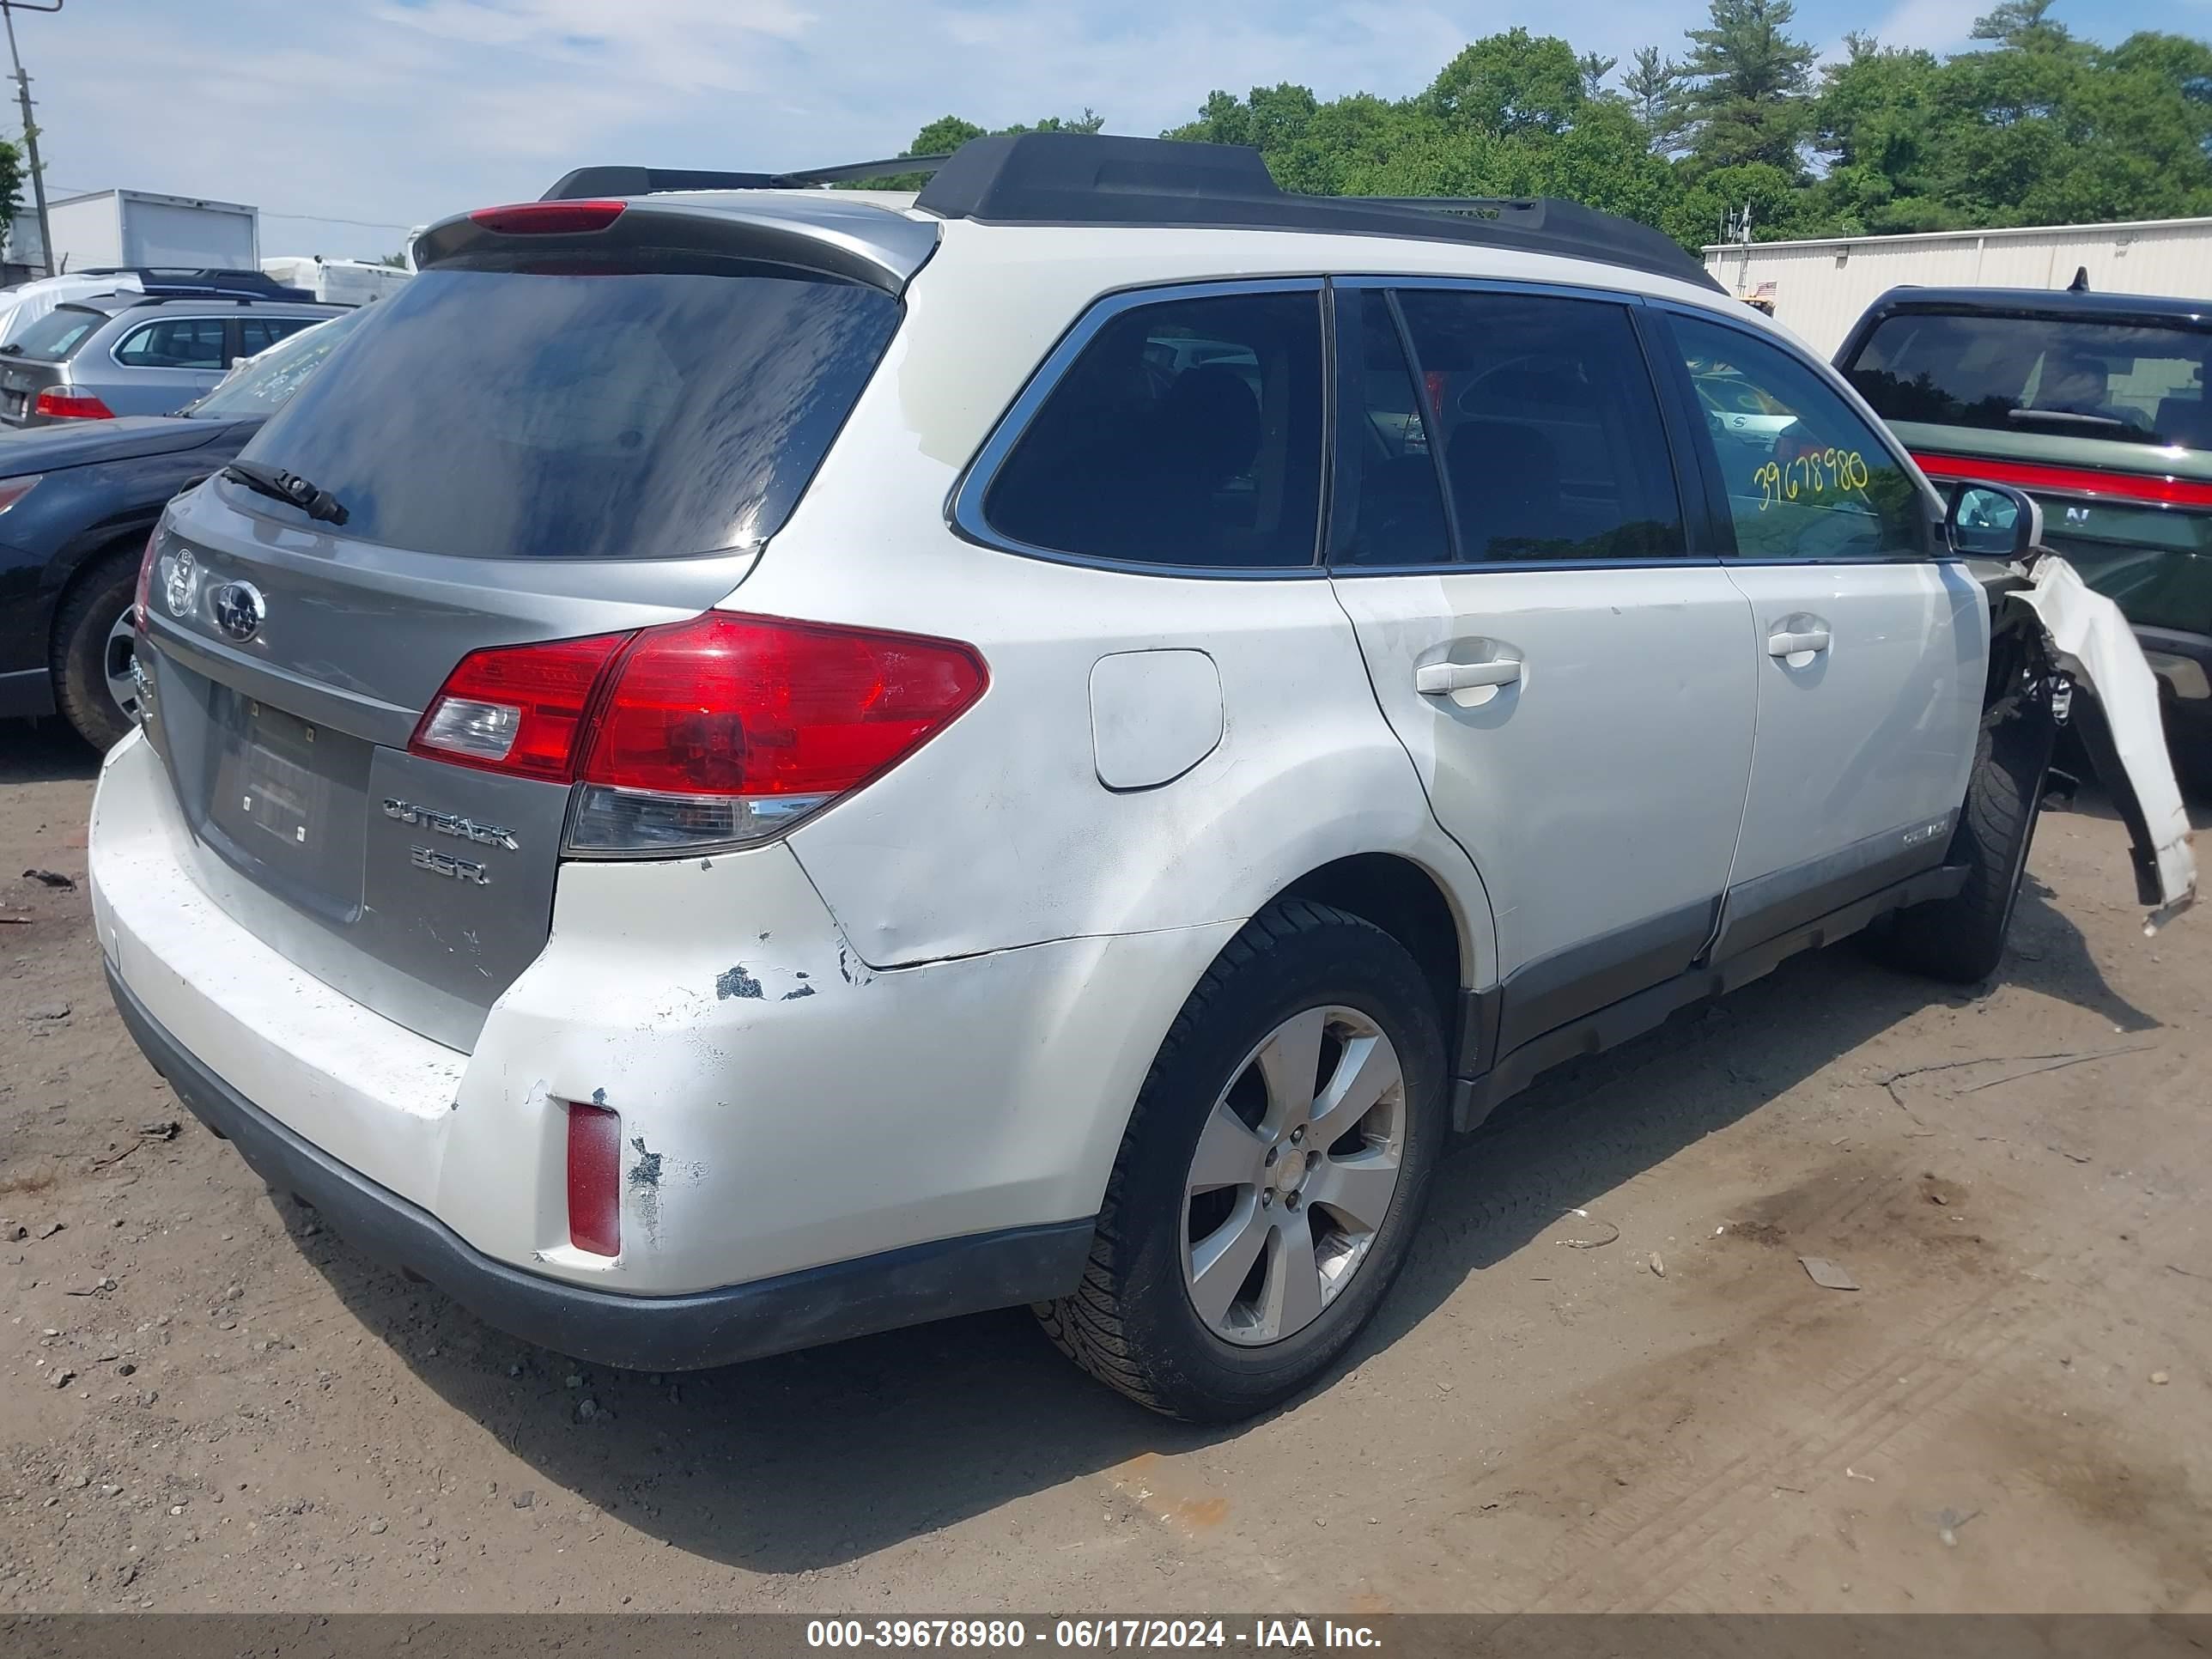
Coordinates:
1806 477
1553 448
174 343
1389 506
1188 432
259 333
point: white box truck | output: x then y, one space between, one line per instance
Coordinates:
336 281
133 229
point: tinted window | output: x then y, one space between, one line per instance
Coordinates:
269 382
2061 378
507 415
174 343
1552 443
58 334
1389 505
1806 477
1187 432
257 334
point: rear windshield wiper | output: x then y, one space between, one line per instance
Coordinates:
278 485
2065 416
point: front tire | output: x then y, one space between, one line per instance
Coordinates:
1962 939
1272 1174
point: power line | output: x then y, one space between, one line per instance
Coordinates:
271 213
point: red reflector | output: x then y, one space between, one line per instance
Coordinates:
2161 491
549 218
516 708
72 406
594 1179
727 705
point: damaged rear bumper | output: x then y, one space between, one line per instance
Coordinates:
825 1304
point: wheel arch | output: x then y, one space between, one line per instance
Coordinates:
83 560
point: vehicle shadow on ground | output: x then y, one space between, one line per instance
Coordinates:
44 752
812 1460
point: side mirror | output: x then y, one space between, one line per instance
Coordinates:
1992 521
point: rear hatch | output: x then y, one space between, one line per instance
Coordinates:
2103 419
35 360
548 434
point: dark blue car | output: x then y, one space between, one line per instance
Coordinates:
76 503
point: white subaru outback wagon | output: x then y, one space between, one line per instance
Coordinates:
749 763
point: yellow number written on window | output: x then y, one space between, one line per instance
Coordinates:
1817 473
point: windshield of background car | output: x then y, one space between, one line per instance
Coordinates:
268 382
2058 377
558 413
55 336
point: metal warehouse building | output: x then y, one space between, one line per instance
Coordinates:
1818 288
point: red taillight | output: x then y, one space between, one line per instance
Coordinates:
549 218
58 404
594 1178
723 729
516 708
738 706
144 595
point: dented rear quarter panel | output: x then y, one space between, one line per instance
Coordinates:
783 1102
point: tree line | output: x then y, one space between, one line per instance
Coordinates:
2030 126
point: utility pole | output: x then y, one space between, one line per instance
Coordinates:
31 128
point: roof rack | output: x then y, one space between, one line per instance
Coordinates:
655 181
200 279
1099 178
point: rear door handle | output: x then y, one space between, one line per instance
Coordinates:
1788 644
1441 679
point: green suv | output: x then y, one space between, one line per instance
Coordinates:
2096 404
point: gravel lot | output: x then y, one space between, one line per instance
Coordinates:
206 1402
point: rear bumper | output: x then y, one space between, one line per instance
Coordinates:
828 1303
793 1122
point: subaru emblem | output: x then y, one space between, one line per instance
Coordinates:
239 611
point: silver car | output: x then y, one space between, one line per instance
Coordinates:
112 355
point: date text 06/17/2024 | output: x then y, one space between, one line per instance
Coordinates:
1085 1634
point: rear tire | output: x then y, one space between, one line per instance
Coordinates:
1332 1189
1962 939
88 639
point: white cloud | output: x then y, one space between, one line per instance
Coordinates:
402 111
1937 25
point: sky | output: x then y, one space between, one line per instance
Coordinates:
392 113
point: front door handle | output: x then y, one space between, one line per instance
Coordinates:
1441 679
1785 642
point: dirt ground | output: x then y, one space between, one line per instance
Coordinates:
208 1402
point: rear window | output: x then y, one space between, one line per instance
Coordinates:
2057 377
567 415
55 336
